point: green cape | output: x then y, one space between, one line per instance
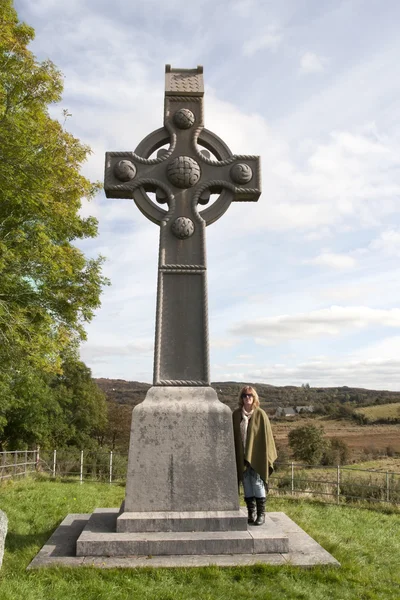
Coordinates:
260 446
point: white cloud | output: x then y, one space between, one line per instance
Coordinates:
388 242
94 353
311 63
319 234
335 261
222 343
326 322
270 40
369 373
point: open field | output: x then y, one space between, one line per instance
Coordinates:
382 411
364 541
359 438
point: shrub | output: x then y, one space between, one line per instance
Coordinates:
337 452
307 443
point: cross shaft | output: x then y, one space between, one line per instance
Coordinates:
182 177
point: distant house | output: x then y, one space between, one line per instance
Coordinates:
285 411
290 411
304 409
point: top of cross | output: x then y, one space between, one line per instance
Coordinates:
184 175
184 81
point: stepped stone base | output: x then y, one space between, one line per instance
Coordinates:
211 520
60 550
100 538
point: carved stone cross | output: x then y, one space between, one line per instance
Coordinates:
182 177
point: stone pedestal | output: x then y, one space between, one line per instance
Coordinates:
181 493
181 455
100 538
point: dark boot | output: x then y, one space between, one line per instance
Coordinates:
260 511
251 510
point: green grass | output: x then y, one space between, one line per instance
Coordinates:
366 542
381 411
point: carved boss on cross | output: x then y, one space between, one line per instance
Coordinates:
183 171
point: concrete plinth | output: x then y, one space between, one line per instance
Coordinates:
217 520
181 454
100 538
60 549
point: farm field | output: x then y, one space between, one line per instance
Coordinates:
361 439
383 411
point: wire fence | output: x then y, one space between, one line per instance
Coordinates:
343 484
18 463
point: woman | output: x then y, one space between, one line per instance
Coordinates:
255 452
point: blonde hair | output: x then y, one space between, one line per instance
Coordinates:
247 389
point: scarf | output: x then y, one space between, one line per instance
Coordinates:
244 423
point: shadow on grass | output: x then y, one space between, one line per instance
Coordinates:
16 542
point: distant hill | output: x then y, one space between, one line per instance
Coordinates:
134 392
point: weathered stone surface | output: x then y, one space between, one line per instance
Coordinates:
202 520
99 538
181 455
165 543
3 533
58 549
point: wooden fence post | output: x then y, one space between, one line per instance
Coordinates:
387 488
81 473
338 485
292 477
4 464
111 465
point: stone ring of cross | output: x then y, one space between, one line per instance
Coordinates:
196 164
184 172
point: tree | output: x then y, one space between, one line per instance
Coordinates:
83 406
48 288
307 443
54 411
336 452
119 426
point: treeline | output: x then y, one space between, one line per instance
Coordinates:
341 403
335 401
49 290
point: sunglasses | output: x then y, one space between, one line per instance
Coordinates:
247 395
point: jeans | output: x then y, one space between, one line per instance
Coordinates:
253 484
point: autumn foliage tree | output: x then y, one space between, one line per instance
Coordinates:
48 288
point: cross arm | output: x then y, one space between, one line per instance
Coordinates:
126 171
240 174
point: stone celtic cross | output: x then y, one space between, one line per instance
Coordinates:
182 177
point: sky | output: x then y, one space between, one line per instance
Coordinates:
303 285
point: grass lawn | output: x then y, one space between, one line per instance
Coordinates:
365 541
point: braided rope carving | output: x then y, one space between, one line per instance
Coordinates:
219 163
222 183
184 98
157 344
142 182
151 161
189 271
186 267
205 308
187 382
